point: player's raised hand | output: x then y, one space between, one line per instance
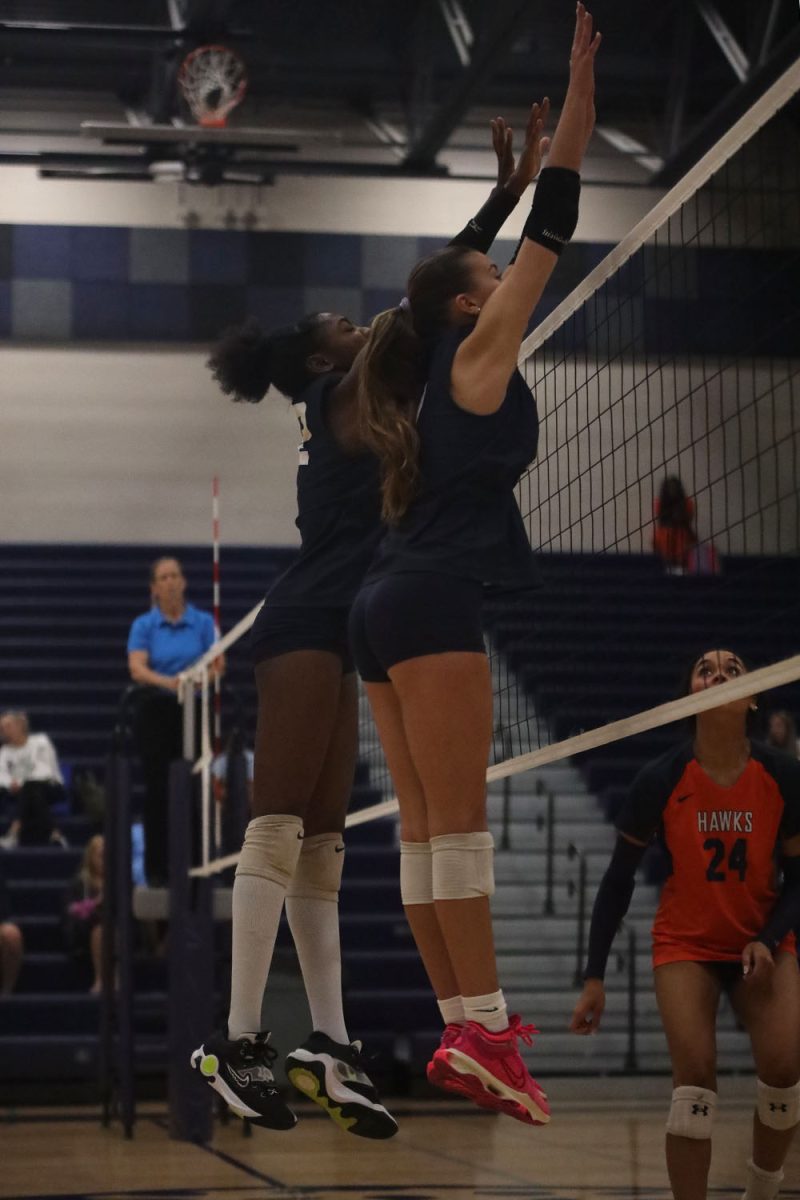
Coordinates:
589 1009
502 141
534 150
585 45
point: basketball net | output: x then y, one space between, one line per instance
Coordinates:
213 80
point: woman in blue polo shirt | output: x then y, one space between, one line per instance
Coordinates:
162 643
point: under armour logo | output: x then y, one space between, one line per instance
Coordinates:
699 1110
778 1107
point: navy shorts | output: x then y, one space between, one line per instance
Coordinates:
408 616
279 629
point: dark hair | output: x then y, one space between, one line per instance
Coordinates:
685 688
154 565
673 509
246 360
393 372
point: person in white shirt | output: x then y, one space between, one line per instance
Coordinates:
30 774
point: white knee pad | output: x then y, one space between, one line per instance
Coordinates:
691 1113
778 1108
319 870
272 847
416 873
463 866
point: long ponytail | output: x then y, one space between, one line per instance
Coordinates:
389 389
393 372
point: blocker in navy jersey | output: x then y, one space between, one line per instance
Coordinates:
465 520
464 527
338 515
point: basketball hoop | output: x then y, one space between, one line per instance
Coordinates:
213 80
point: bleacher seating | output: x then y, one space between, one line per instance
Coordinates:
602 638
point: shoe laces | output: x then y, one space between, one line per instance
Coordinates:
259 1050
524 1032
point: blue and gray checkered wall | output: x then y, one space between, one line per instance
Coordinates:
62 283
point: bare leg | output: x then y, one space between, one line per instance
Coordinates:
688 997
422 918
446 706
298 706
770 1011
10 957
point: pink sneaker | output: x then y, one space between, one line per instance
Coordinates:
487 1068
439 1071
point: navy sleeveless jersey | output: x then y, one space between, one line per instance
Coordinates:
338 511
465 520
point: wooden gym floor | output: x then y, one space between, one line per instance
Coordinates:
605 1143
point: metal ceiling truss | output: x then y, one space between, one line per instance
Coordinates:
487 53
760 71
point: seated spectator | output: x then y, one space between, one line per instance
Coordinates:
10 945
674 536
162 643
31 778
782 732
83 923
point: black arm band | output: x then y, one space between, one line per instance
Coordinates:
554 211
786 913
611 904
480 232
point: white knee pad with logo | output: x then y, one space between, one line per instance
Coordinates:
463 866
318 875
691 1113
778 1108
272 847
416 873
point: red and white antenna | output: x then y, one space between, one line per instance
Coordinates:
217 614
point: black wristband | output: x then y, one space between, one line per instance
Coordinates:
480 232
554 211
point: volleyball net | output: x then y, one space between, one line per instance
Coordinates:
678 355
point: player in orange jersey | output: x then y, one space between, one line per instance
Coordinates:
725 808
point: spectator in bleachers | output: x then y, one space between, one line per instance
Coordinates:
11 945
162 643
674 536
30 781
83 924
782 732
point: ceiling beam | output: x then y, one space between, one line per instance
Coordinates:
486 56
678 90
734 105
459 28
737 59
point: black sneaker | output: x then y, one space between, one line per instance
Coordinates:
333 1076
241 1072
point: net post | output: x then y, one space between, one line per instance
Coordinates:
191 975
186 700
